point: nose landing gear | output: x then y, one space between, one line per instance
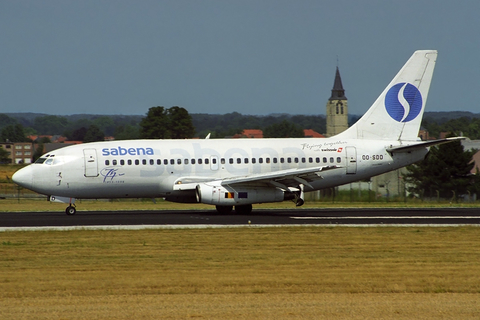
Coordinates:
71 209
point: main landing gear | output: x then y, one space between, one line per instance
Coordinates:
71 210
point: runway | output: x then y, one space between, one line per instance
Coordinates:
205 218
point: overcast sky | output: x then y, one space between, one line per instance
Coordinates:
254 57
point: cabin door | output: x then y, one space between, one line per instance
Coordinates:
91 166
351 160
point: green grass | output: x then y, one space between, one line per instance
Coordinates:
263 273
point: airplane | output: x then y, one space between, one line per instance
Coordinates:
238 173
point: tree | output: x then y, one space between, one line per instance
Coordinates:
4 154
50 124
155 124
126 132
13 133
106 124
94 134
77 135
161 123
444 173
40 146
181 126
284 129
6 120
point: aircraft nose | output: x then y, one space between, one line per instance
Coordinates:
23 177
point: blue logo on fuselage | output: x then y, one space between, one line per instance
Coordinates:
403 102
119 151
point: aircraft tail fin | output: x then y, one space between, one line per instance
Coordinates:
398 111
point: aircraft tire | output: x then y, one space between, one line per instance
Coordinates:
70 211
244 209
224 209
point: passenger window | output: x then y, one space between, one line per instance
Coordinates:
239 160
199 161
179 161
296 160
324 159
137 162
339 159
114 162
172 161
193 161
206 161
230 160
129 162
222 161
275 160
152 162
246 160
267 160
107 163
303 160
318 160
165 161
260 160
144 161
122 162
185 161
310 160
282 160
214 160
289 160
159 162
331 159
254 160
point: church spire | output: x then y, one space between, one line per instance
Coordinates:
338 93
337 108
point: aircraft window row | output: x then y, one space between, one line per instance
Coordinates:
267 160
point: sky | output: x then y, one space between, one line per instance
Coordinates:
254 57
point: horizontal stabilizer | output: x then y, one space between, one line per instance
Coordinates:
423 144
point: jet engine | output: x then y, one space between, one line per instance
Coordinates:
228 196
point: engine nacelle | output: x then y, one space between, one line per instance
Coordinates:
228 196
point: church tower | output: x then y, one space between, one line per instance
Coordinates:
337 108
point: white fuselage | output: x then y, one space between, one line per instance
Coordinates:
151 168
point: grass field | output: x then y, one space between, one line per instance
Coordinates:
247 273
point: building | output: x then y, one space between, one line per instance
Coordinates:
249 133
19 152
337 108
309 133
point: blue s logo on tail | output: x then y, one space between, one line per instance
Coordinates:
403 102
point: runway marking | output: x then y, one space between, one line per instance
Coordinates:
386 217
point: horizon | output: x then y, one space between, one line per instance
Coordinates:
218 114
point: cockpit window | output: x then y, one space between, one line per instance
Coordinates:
49 161
40 160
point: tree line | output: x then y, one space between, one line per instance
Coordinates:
95 127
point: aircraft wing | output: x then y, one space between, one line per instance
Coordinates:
423 144
284 179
